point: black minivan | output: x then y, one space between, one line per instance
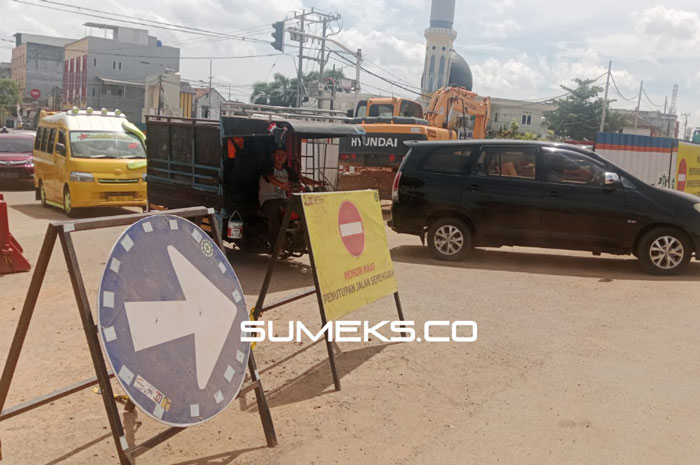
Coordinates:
492 193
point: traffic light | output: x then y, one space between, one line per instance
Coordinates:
278 35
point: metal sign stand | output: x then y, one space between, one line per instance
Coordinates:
295 205
63 230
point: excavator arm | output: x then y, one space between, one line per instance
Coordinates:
450 107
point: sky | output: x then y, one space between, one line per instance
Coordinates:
524 49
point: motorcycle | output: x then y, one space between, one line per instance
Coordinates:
255 231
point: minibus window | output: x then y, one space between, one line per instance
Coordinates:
52 139
99 144
45 140
37 138
61 144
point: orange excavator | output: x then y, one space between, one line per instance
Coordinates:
371 160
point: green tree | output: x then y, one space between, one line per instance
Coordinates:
9 96
614 120
282 91
513 132
334 74
578 114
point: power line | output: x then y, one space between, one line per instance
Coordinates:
649 100
371 73
153 24
617 89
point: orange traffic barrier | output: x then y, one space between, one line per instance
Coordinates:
11 258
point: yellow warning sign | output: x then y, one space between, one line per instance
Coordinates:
688 175
350 249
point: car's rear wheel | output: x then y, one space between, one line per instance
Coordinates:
68 203
449 239
664 251
42 195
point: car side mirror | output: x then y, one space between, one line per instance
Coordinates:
612 179
350 113
61 148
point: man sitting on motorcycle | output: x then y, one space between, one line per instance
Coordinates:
275 179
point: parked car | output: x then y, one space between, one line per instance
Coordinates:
490 193
16 156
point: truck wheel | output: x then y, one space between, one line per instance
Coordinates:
42 195
68 203
449 239
664 251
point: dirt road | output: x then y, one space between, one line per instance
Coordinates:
579 359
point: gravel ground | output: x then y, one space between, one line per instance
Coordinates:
579 359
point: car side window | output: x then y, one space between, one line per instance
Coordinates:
52 140
507 162
61 150
570 167
37 138
447 161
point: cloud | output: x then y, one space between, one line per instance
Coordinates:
507 78
667 23
658 32
499 29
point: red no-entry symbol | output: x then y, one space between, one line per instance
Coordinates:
682 175
352 232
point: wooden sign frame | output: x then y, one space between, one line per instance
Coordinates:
295 205
63 231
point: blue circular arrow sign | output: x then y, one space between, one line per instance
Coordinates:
170 309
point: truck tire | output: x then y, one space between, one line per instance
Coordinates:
449 239
664 251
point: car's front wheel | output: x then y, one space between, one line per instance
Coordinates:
449 239
68 203
664 251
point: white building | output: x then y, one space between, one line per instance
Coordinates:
528 115
207 103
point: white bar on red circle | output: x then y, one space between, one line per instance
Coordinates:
350 229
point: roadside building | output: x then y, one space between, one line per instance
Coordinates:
650 123
168 95
37 67
186 99
528 115
5 70
207 103
111 71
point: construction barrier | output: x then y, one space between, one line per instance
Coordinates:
11 258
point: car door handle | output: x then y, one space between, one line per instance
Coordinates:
474 187
552 194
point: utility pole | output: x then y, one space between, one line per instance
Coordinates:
300 72
298 33
686 136
605 102
160 91
357 55
229 91
639 104
358 68
322 65
210 78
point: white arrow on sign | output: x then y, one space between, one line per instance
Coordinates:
206 312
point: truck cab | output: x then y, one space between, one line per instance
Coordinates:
389 107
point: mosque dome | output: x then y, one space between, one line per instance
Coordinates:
460 72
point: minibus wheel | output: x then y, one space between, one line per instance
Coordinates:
42 194
68 203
